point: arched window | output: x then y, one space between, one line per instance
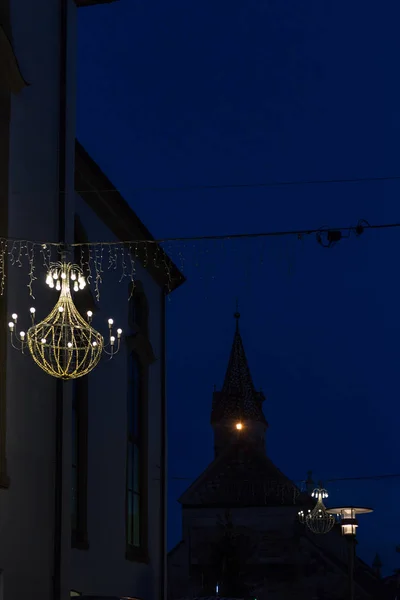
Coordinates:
137 345
138 310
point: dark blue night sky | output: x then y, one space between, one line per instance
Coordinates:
216 92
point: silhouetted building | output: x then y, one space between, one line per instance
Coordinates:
241 535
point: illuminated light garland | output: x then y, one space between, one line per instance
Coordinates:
318 520
155 254
64 344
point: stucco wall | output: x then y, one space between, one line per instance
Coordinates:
103 568
27 507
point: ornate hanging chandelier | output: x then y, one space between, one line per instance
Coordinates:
64 344
318 520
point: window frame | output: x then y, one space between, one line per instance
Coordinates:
138 552
138 304
138 347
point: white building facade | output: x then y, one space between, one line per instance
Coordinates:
107 536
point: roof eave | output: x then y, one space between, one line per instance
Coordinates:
84 3
103 198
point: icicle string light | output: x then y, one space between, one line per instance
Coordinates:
126 257
31 257
123 262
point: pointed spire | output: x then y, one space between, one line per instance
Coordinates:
237 315
238 398
377 565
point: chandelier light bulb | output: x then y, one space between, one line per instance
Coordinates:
73 275
119 331
76 286
61 309
11 325
32 310
22 335
63 275
94 344
69 344
112 339
43 340
89 314
14 316
58 285
110 321
55 275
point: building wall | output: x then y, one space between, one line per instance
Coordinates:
273 529
27 506
103 569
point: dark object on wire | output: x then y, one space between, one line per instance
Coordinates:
329 237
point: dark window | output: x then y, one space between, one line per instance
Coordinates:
79 463
134 455
139 356
138 310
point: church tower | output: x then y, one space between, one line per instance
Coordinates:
237 409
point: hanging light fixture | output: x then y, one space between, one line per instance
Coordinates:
318 520
64 344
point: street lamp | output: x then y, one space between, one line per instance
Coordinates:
349 524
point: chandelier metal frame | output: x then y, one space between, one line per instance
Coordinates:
318 520
64 344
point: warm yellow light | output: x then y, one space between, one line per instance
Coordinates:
239 426
349 529
64 344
